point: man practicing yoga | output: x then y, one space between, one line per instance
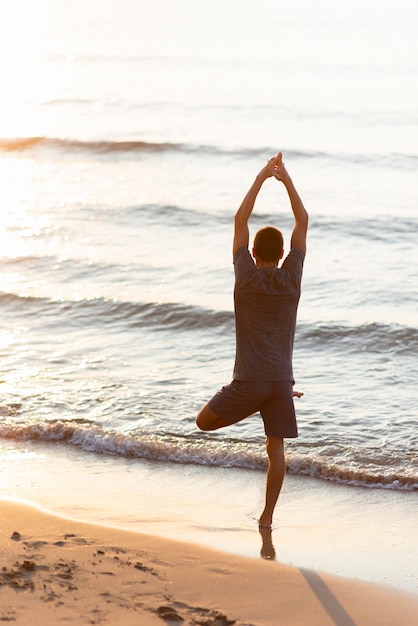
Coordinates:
266 298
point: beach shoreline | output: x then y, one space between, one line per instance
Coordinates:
57 569
355 533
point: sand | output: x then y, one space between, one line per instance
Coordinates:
56 570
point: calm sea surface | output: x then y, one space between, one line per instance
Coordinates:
129 133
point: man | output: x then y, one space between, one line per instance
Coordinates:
266 298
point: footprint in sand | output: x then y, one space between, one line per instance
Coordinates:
16 536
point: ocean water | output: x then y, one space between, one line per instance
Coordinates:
130 132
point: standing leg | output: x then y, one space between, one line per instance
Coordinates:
275 474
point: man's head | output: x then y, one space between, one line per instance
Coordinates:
268 245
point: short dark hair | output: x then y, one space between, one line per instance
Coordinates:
268 244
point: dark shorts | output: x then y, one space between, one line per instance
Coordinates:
273 399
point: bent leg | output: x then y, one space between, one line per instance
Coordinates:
206 419
275 475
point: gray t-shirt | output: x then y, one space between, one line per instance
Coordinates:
266 302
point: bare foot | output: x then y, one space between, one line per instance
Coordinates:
297 394
267 549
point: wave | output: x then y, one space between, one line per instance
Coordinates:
372 337
106 147
21 144
95 147
390 339
378 228
370 475
188 450
169 316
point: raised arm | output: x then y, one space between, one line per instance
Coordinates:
241 231
300 229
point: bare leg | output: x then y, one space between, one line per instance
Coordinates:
275 474
208 420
